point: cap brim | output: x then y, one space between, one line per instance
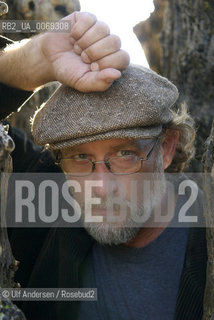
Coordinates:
131 133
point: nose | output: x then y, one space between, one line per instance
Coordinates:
109 182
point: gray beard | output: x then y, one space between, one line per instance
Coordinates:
112 234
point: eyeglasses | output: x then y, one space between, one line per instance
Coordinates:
121 165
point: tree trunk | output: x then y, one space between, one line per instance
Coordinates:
148 33
8 265
186 38
208 209
187 58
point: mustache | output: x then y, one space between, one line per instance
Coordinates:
111 204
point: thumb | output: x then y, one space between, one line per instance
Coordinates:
108 75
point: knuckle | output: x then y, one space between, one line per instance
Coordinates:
86 56
102 28
125 58
89 52
89 16
116 42
75 33
77 48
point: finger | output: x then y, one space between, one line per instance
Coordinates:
84 21
101 48
97 32
97 81
118 60
108 75
71 18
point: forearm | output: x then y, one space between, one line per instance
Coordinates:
66 57
23 66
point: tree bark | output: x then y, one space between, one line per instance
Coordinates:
7 261
187 59
208 161
148 33
8 265
186 39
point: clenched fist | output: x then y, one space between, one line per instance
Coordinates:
88 58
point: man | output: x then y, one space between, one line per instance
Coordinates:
139 272
88 58
149 273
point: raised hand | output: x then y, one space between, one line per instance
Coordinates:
88 58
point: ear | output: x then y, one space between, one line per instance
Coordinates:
168 146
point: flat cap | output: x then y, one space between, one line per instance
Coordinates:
135 106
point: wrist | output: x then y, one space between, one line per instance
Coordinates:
39 68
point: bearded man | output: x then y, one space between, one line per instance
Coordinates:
122 141
142 268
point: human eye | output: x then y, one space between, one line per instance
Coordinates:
80 156
125 153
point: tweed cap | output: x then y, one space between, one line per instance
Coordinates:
135 106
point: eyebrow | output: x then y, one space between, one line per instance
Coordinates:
132 143
74 149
